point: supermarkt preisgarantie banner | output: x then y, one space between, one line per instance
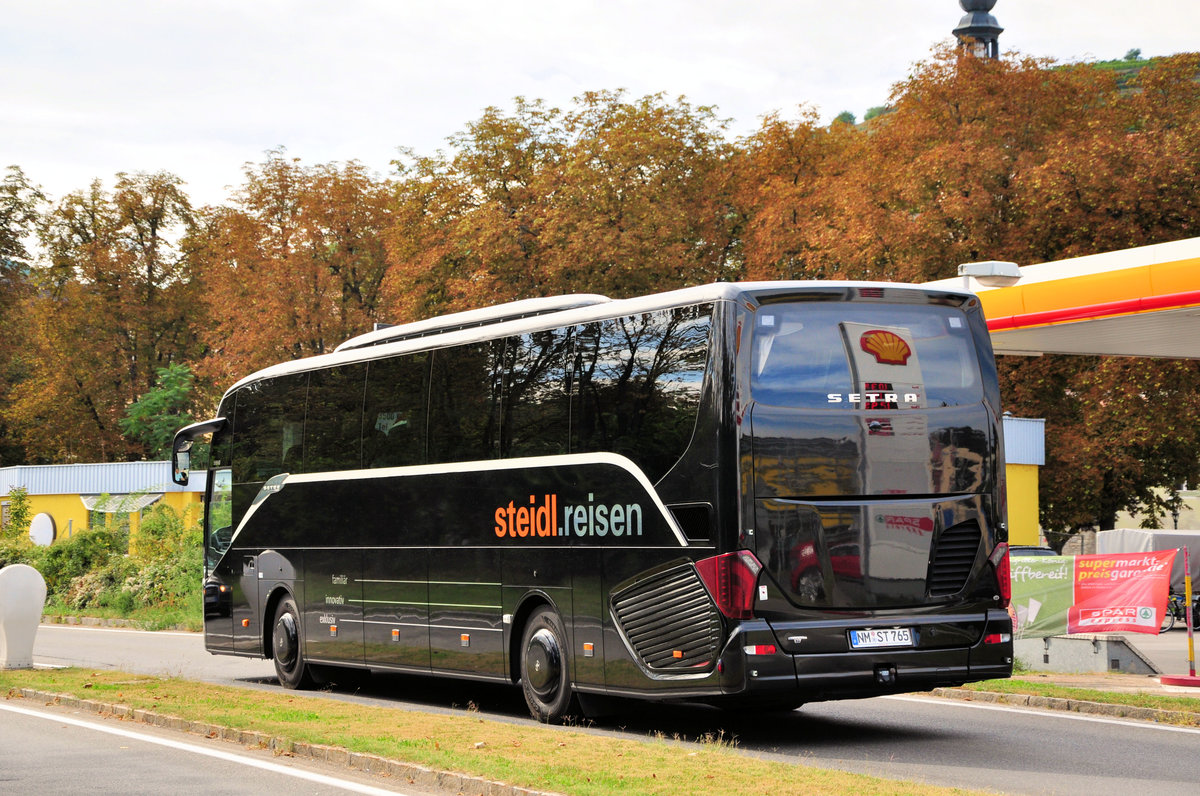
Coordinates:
1119 592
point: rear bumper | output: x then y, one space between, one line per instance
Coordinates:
755 664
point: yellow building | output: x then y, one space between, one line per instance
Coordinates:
1024 453
65 499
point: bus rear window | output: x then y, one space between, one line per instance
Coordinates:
863 356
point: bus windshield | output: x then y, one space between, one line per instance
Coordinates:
837 356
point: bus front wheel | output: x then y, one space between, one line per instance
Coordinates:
545 668
287 647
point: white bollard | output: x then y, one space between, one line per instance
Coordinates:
22 597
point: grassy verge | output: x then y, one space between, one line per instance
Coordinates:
1168 702
142 617
565 761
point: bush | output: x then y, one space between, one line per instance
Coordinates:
14 551
158 582
84 552
162 536
101 588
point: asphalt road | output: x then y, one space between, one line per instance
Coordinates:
62 751
947 742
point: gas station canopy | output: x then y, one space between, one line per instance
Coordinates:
1135 302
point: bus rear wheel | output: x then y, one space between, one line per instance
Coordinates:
545 668
288 648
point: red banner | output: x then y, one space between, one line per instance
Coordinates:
1124 592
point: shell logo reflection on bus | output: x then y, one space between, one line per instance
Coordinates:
541 518
887 347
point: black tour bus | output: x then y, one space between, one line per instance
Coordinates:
755 494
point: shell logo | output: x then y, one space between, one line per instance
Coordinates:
888 348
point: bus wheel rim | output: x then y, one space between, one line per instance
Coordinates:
285 640
543 663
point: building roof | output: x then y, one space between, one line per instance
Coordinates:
117 478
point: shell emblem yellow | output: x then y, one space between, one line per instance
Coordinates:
888 348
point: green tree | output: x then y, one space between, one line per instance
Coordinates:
19 514
154 418
845 117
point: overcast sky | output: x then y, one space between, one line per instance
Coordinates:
199 88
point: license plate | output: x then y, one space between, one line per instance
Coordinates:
882 637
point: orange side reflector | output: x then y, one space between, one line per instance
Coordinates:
677 653
245 623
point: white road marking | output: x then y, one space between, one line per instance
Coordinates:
117 630
1062 714
321 779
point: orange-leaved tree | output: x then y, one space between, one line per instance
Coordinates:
293 266
115 302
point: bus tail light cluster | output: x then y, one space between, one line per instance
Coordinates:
730 578
999 561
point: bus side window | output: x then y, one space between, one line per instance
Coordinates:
393 425
464 402
268 439
638 381
535 405
333 422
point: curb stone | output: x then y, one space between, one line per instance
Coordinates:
409 773
1176 717
93 621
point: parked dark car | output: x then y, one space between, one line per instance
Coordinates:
1031 550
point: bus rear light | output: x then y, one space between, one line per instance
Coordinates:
730 578
997 638
999 561
760 649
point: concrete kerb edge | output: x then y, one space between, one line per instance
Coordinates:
411 773
1175 717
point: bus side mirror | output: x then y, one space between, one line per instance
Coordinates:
181 461
181 447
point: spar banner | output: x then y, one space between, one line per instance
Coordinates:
1118 592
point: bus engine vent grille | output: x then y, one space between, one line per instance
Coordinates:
669 620
953 559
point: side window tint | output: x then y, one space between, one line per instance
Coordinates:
333 422
464 402
394 419
638 382
535 404
269 432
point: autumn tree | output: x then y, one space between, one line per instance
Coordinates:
19 205
611 195
114 303
640 200
292 266
793 197
1130 178
1121 434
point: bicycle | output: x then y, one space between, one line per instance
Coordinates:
1174 611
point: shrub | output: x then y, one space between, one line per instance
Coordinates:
62 562
101 588
162 536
